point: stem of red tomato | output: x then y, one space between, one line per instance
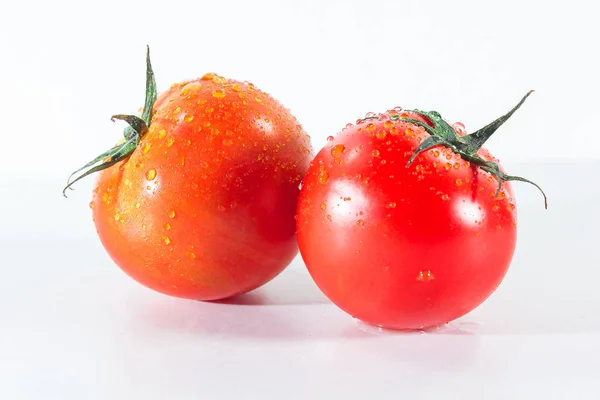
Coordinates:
466 146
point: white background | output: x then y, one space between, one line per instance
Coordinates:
72 326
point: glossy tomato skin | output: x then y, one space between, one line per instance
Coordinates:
403 247
204 207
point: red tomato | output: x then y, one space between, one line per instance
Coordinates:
406 246
203 207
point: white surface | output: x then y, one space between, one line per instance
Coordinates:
71 65
75 327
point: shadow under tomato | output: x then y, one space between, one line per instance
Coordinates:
291 287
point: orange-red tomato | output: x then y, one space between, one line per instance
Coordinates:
204 206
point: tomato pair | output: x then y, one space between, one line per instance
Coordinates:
399 219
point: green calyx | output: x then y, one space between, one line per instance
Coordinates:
138 126
466 146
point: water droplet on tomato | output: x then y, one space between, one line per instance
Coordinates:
447 166
227 142
192 255
425 276
445 197
495 208
458 182
388 124
235 87
167 226
393 131
221 207
323 176
172 214
117 217
360 222
208 76
190 88
166 240
151 174
330 138
381 134
375 153
146 147
499 227
189 118
137 205
391 204
162 134
337 150
456 165
324 206
218 93
370 127
170 141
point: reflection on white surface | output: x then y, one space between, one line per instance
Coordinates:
73 326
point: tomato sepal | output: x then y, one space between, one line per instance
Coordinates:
441 133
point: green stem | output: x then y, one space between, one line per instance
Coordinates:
466 146
136 129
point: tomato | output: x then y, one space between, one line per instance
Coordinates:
401 222
203 205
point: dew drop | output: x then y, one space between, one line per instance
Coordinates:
235 87
337 150
458 182
375 153
190 88
425 276
360 222
137 205
436 153
117 217
170 141
167 226
218 93
221 207
393 131
391 204
166 240
381 134
447 166
388 124
227 142
445 197
146 147
456 165
330 138
172 214
370 127
189 118
495 208
151 174
162 134
323 176
192 255
324 206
